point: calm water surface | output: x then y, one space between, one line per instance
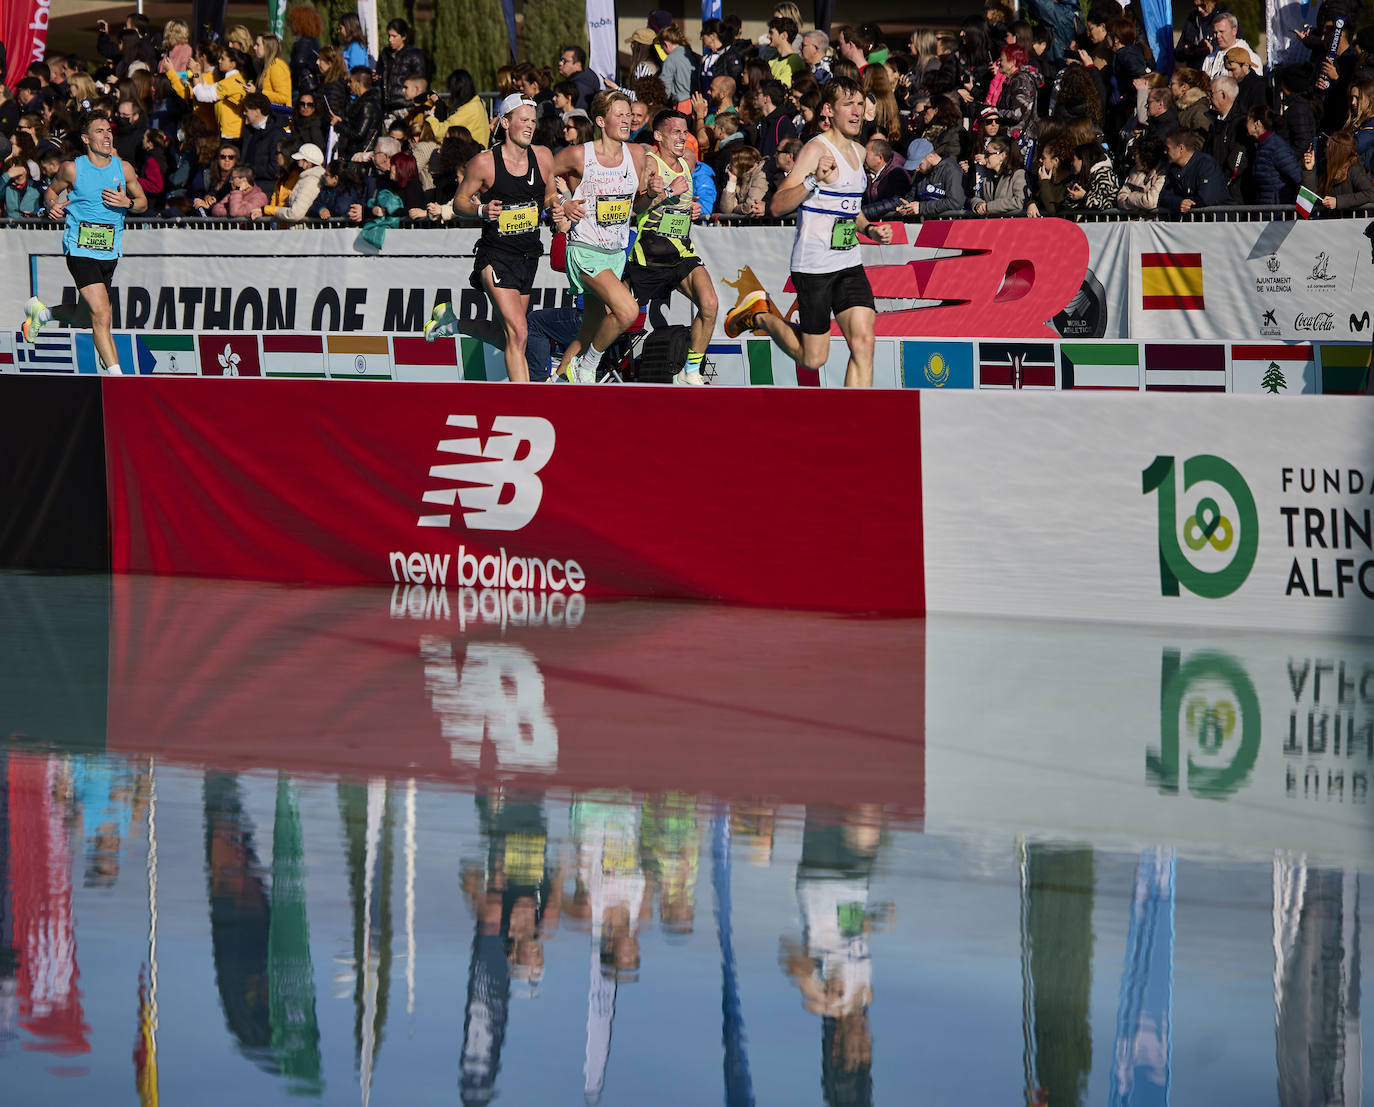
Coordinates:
263 844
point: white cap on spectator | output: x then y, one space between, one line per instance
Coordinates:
511 102
310 154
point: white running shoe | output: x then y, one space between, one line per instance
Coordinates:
584 374
685 377
441 323
33 321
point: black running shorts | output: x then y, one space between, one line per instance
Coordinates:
821 295
658 282
508 270
88 271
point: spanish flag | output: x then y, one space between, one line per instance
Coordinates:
1171 282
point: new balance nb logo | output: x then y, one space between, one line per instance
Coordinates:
492 474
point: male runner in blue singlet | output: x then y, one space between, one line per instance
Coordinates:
100 190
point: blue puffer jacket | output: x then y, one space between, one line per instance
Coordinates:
1364 143
1277 172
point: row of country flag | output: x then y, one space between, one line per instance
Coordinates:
219 354
1278 368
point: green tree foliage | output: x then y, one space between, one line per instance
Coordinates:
471 35
549 26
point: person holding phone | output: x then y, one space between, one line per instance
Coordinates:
93 194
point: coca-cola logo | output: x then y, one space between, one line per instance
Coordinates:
1317 321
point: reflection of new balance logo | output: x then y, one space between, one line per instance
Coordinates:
494 468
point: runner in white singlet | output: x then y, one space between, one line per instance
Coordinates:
827 184
608 178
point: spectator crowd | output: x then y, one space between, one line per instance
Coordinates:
1048 114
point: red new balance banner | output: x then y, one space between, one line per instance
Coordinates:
761 496
473 685
24 31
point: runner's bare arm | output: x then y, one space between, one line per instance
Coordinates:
567 163
480 174
879 232
543 157
793 191
61 184
138 202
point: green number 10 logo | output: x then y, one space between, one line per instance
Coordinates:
1205 528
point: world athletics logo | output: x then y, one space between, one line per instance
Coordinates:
1215 539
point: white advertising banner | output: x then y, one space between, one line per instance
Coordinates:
601 58
1302 279
1155 508
1227 744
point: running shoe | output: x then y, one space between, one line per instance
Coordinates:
441 322
33 322
744 315
584 374
684 377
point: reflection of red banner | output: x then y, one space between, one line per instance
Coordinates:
24 31
41 885
763 496
738 703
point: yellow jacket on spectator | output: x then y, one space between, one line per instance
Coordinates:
276 82
282 193
224 98
472 115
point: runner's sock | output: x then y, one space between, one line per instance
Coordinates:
45 316
114 370
693 363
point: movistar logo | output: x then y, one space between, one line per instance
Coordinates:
493 469
1221 547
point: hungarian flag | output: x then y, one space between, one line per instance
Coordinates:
1171 282
1016 365
1185 367
293 355
1307 200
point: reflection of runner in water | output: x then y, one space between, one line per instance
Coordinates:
100 189
612 896
510 179
516 903
672 858
833 968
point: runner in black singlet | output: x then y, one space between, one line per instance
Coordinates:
505 188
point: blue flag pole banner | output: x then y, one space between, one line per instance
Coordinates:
710 9
508 10
1159 29
1283 19
739 1089
1142 1062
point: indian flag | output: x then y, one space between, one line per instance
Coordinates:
1274 369
414 359
167 353
1171 282
359 357
481 362
293 355
1343 369
1307 200
1104 366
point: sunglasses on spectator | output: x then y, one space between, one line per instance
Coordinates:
228 157
305 103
